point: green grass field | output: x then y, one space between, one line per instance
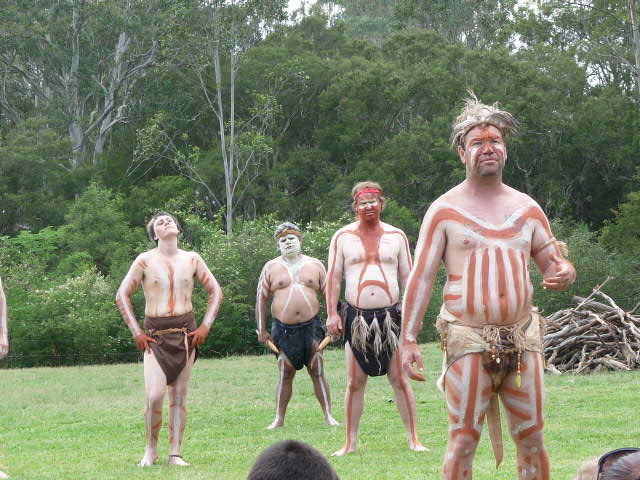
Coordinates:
86 422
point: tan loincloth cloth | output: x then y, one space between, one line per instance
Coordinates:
173 347
501 348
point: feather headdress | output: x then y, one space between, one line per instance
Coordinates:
475 113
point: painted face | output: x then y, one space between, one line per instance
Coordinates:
165 226
289 245
368 207
485 152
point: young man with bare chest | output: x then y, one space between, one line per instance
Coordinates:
294 281
374 259
4 337
486 233
170 337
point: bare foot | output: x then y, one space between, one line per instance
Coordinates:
417 447
277 423
177 460
148 459
3 475
343 451
329 420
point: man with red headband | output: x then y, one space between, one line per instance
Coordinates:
294 280
170 337
4 337
486 233
374 258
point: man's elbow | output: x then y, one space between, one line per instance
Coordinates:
120 297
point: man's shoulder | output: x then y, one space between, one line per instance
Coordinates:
148 255
312 260
517 194
350 228
388 228
451 197
271 263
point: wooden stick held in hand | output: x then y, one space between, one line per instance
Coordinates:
324 343
270 344
273 348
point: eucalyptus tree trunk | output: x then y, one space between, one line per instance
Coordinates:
227 154
117 91
70 81
632 7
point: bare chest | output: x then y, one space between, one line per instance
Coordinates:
463 237
169 274
284 276
361 250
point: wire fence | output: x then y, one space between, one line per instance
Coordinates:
21 360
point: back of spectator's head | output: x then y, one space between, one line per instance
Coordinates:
620 464
291 459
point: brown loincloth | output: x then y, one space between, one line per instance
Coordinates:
500 347
170 351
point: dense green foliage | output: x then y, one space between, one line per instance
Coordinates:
111 111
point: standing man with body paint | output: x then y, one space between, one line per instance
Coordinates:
486 233
294 280
4 337
170 338
374 258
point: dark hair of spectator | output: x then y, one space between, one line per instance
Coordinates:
625 467
291 459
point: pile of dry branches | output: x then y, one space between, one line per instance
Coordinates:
592 336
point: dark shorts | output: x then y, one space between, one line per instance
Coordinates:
296 341
170 349
372 335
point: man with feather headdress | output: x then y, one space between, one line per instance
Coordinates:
486 233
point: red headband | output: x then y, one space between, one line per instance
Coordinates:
377 191
289 231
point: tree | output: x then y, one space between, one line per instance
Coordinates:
225 31
77 57
605 34
476 24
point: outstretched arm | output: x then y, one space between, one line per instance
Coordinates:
332 290
262 304
123 300
4 334
210 284
429 253
558 273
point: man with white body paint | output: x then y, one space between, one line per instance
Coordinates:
170 338
294 280
4 337
374 258
486 233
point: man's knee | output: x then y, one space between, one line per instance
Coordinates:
288 372
532 443
463 445
356 384
155 397
315 367
179 396
398 381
